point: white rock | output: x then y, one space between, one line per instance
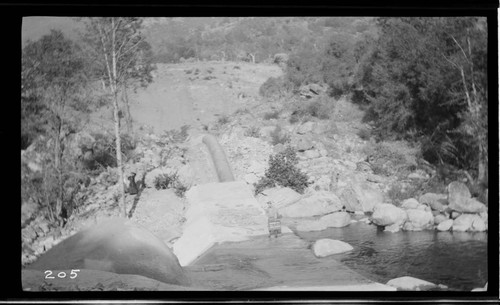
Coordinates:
410 284
439 219
445 225
280 196
387 214
314 204
336 220
393 228
410 203
463 222
418 220
478 225
326 247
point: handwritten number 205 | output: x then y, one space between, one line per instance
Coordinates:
62 274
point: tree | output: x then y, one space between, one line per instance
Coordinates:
53 94
425 78
116 45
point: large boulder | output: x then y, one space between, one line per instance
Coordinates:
386 214
361 197
279 196
418 220
410 203
437 202
325 247
314 204
333 220
409 283
460 199
336 220
119 246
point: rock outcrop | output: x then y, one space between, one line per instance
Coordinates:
314 204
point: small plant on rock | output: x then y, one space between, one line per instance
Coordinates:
284 172
169 181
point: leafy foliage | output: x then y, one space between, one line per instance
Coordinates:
425 79
167 181
282 171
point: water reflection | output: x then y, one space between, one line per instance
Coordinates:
455 259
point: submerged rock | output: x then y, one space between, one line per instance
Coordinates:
325 247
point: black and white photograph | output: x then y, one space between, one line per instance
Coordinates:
287 153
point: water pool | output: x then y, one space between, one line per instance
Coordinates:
458 260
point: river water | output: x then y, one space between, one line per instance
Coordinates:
458 260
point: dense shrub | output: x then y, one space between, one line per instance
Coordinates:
170 181
364 134
275 87
271 115
282 171
104 150
223 120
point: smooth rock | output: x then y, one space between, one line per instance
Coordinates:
386 214
439 219
314 204
410 203
460 199
279 196
437 202
325 247
392 228
418 220
464 222
336 220
478 225
361 197
409 283
445 225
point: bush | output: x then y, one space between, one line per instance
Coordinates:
364 134
283 171
169 181
278 137
319 109
275 87
223 120
104 151
253 132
